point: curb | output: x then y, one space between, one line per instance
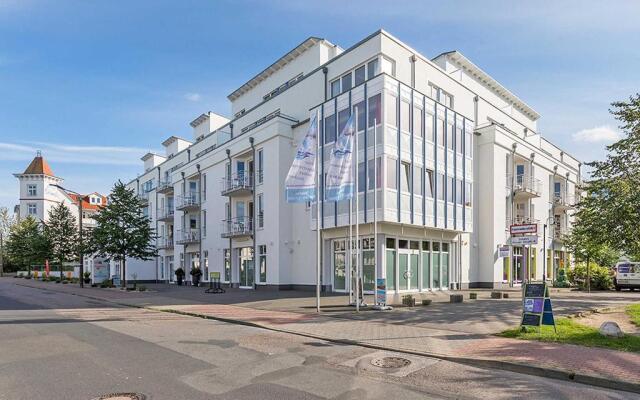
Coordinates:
558 374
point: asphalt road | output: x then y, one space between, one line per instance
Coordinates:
60 346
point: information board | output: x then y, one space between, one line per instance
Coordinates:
536 306
534 290
381 291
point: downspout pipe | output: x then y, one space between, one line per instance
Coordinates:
200 257
255 212
325 71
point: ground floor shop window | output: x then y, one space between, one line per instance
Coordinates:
436 264
339 265
262 251
445 265
517 264
368 263
391 263
426 265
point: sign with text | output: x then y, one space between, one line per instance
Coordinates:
523 228
524 240
100 270
381 291
536 306
503 251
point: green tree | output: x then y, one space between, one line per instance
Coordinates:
62 234
122 231
27 245
6 222
609 211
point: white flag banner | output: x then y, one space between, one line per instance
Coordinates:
300 185
340 183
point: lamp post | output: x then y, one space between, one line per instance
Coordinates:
81 252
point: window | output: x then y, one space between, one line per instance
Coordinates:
330 129
417 181
450 136
204 187
418 119
440 132
260 165
360 75
204 223
32 209
260 211
346 82
388 66
441 96
343 118
391 174
405 121
428 131
227 172
458 139
429 183
372 68
31 190
206 263
440 186
371 173
335 88
467 194
374 109
262 259
405 176
361 179
391 113
459 192
360 116
450 189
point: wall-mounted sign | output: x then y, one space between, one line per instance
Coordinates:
524 240
503 251
523 228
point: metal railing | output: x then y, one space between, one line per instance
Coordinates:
239 226
522 220
188 236
242 181
165 242
165 186
564 200
143 196
191 199
165 213
525 183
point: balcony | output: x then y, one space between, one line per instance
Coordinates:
143 198
237 185
165 243
524 186
188 202
188 236
166 214
237 227
559 232
563 202
165 187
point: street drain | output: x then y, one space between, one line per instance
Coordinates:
390 362
122 396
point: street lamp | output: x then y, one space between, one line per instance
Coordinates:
81 255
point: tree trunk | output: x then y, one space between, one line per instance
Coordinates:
123 280
588 276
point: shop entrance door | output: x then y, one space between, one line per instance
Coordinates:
247 268
408 264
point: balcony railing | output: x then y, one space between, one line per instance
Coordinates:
235 227
522 220
563 201
191 200
525 184
237 184
559 231
165 214
165 186
188 236
165 243
143 197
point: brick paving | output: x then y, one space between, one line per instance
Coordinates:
394 335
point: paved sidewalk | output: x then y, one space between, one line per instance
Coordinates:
587 365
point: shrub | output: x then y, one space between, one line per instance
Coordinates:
601 278
142 288
561 280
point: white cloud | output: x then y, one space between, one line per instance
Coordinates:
72 154
193 97
598 134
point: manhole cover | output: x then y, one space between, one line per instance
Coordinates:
122 396
390 362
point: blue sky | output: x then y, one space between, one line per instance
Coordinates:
96 84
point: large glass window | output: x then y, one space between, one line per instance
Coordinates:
417 181
392 173
440 187
330 129
418 121
459 192
260 210
343 118
445 265
339 265
440 132
260 166
428 128
458 140
346 82
335 88
361 179
391 111
436 264
426 265
360 116
467 144
429 183
450 189
371 173
372 68
388 66
405 121
360 75
405 176
375 107
450 136
467 194
391 264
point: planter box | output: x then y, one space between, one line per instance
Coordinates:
456 298
496 295
426 302
409 301
473 296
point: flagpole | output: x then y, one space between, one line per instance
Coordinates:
357 174
318 234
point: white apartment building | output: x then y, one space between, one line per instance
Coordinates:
458 160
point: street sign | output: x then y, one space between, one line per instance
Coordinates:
503 251
523 228
524 240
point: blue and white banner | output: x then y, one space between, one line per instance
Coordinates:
340 181
300 185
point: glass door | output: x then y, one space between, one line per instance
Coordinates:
408 265
247 268
435 257
339 266
517 265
